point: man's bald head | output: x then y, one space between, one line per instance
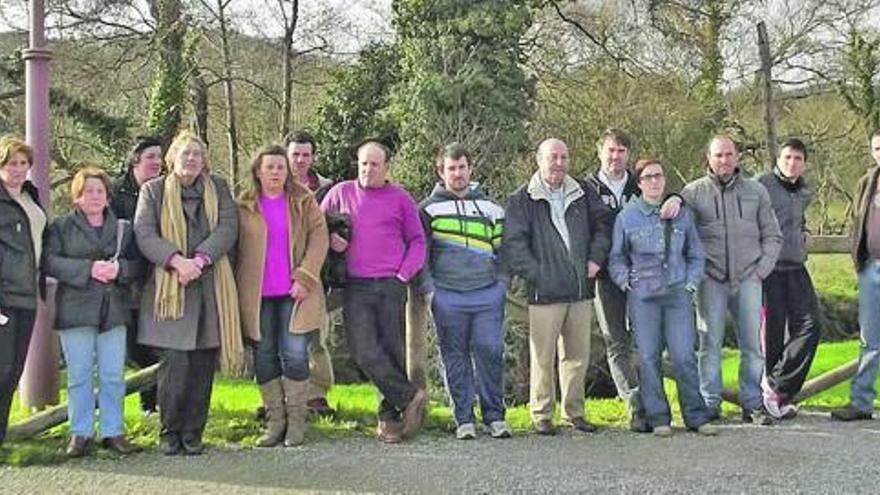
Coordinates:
552 158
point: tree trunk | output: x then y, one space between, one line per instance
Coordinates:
231 125
288 55
767 90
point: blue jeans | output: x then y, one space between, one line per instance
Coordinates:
279 351
744 303
668 320
83 347
862 393
471 335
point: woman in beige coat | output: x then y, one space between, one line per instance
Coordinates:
281 247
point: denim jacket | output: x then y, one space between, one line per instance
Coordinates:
639 262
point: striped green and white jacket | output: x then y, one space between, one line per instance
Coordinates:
464 240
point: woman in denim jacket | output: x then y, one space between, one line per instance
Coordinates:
659 263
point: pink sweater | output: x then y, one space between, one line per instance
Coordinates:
387 239
276 272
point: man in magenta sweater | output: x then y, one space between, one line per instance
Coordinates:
386 250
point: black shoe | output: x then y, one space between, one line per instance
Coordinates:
714 413
545 427
319 407
169 444
639 424
192 445
580 424
758 416
850 413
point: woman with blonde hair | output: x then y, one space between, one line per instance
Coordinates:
185 225
281 247
93 257
22 222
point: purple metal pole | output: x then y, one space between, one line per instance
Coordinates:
36 59
39 382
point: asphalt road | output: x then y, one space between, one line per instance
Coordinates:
809 455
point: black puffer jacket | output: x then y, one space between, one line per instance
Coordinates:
18 264
536 252
124 196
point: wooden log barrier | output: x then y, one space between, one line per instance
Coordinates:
58 414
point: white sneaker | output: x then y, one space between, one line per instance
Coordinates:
498 429
663 431
466 431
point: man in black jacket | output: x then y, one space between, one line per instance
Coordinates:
144 163
557 235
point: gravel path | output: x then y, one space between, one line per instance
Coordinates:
809 455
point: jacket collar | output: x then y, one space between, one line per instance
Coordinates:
737 172
571 189
108 231
797 185
250 198
647 208
28 188
439 193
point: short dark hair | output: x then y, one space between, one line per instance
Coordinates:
270 150
642 164
617 135
375 141
140 144
454 151
795 144
876 133
301 137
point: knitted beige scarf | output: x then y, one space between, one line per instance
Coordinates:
169 298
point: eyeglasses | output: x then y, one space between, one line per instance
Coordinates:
651 177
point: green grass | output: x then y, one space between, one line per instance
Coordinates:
232 422
833 276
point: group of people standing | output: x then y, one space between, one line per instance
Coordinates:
169 268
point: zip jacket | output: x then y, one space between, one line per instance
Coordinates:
463 240
535 250
737 226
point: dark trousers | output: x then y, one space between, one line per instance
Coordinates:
791 302
185 382
374 311
15 337
143 356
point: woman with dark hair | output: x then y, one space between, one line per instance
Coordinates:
282 244
658 264
185 225
22 222
144 162
92 256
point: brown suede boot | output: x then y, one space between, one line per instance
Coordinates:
273 400
295 394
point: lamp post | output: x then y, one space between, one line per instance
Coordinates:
39 382
36 64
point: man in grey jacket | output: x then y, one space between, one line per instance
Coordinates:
793 325
742 240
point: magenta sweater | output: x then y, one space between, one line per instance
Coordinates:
387 239
276 271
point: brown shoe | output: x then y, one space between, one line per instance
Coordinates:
78 446
388 431
120 445
414 414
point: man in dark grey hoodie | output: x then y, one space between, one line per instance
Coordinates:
465 288
789 298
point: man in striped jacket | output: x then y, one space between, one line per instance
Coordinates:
465 287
